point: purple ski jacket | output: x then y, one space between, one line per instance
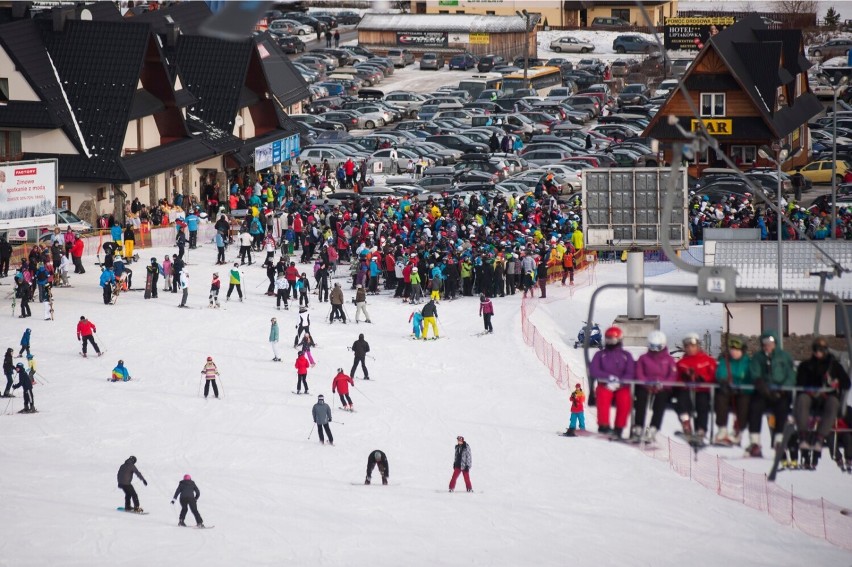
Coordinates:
656 367
612 361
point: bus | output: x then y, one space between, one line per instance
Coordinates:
542 79
478 83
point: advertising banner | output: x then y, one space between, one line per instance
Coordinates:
421 39
263 157
276 152
690 34
28 194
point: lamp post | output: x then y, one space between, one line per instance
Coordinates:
525 16
835 90
781 154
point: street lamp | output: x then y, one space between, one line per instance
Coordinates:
524 15
781 154
835 90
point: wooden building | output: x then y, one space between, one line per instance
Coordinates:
750 86
449 33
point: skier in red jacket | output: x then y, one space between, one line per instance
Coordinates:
302 372
340 384
695 366
85 331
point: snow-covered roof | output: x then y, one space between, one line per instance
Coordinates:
471 23
756 264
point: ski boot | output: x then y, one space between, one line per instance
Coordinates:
200 525
650 435
384 481
367 481
603 429
722 438
182 524
636 434
570 433
615 433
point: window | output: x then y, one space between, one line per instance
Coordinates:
702 158
490 12
621 14
4 91
712 104
10 145
743 154
769 318
102 193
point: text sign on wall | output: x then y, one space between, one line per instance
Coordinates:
421 39
28 194
714 126
690 34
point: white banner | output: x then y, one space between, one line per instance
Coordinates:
28 194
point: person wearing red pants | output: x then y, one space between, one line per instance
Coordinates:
609 367
461 464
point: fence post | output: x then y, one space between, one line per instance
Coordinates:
824 527
792 508
744 486
718 476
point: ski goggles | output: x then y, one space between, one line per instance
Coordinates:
736 343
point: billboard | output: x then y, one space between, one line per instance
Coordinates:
28 193
691 33
276 152
421 39
623 209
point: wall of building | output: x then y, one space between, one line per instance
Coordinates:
746 318
46 142
79 192
150 133
19 88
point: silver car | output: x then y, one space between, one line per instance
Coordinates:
292 27
400 57
571 45
402 157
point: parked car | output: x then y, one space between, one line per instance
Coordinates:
459 142
329 21
400 57
463 61
431 60
820 171
315 24
347 18
635 93
488 62
291 27
634 44
666 87
615 24
832 48
571 45
290 43
532 62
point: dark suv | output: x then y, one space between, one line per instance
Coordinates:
305 19
488 62
463 61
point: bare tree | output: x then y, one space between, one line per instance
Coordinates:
796 6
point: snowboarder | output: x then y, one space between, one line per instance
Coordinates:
189 495
235 282
301 372
340 385
360 348
120 373
337 304
361 304
8 369
486 311
153 275
184 286
303 326
322 417
210 372
25 382
462 462
657 369
215 285
430 319
578 400
609 367
375 459
273 339
125 480
85 332
25 343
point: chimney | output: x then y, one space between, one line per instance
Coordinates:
62 14
172 34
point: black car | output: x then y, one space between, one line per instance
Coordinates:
722 189
533 62
458 142
290 43
488 62
306 19
329 21
347 18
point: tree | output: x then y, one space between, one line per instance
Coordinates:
832 18
796 6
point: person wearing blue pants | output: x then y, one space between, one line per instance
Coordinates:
578 400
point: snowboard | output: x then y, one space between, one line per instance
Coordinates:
142 513
780 450
149 282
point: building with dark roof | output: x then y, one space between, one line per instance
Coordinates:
750 87
135 107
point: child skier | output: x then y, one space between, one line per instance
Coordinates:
235 282
167 273
25 343
304 287
486 311
210 372
120 373
301 372
340 385
416 319
26 383
307 343
303 326
215 284
578 400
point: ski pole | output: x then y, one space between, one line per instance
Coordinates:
362 393
221 384
9 403
200 384
312 431
371 356
98 338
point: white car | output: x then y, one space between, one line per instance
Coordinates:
402 157
292 27
571 45
824 89
666 87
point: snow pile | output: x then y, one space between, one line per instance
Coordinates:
276 496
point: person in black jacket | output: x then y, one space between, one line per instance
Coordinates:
177 267
5 256
462 461
8 369
154 271
25 382
360 348
821 370
125 480
541 276
189 495
378 458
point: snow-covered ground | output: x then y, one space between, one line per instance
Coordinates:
278 497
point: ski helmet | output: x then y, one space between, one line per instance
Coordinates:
691 338
132 459
340 370
320 397
656 341
209 359
377 456
29 356
19 365
819 345
120 362
187 477
613 336
153 260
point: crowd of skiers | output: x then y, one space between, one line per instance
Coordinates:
736 382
